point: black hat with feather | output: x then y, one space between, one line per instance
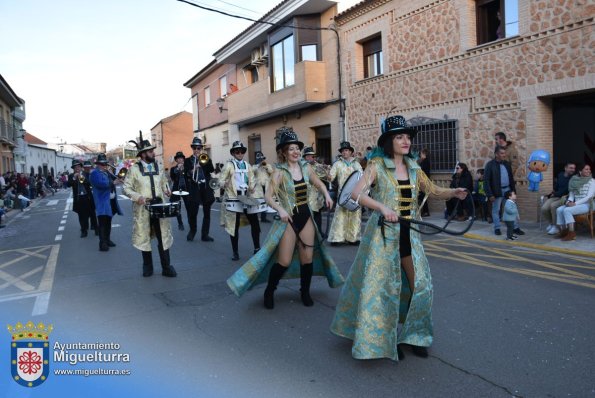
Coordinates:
142 145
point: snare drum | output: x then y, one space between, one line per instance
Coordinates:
345 200
259 208
234 206
163 210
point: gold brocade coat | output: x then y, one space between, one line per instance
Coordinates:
346 225
227 178
376 295
135 186
263 176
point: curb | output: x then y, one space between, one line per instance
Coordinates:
532 246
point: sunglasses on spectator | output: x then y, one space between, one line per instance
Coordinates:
237 151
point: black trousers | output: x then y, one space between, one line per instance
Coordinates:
85 213
163 254
254 229
176 198
105 229
192 207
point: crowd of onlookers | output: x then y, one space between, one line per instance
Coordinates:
17 190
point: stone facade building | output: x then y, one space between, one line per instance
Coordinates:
463 70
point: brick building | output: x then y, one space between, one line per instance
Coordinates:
170 135
462 70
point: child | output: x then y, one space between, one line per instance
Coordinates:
479 195
510 214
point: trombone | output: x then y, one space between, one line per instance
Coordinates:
203 159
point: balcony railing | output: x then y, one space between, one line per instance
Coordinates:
257 102
7 132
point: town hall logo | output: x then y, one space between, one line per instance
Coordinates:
29 353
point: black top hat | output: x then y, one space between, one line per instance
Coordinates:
75 162
101 159
196 142
259 156
238 145
308 151
395 125
142 145
286 137
86 163
346 145
179 155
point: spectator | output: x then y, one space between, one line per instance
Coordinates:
499 180
461 179
424 163
2 182
512 155
510 214
2 209
479 195
554 198
581 190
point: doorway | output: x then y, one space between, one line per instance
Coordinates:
322 137
254 145
573 130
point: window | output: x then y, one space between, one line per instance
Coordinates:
207 96
440 138
283 63
373 57
223 87
308 52
254 74
496 19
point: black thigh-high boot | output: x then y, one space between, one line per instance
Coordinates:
305 280
277 271
147 263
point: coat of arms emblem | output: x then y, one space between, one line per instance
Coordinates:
29 353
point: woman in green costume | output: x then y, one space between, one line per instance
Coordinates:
293 247
378 295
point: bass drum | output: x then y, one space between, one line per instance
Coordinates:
345 200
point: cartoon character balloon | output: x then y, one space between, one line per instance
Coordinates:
537 164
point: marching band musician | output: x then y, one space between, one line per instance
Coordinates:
176 174
237 177
105 199
82 198
315 197
346 225
145 184
198 176
87 169
293 247
262 172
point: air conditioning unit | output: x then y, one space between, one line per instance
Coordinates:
255 58
264 51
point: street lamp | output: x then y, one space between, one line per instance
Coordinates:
220 102
23 133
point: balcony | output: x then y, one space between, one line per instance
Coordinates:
8 133
256 102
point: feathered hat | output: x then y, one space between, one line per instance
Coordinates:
142 145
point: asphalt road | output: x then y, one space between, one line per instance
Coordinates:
508 321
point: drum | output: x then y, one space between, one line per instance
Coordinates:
180 193
234 206
163 210
259 208
345 200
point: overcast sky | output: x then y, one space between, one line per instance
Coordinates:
101 70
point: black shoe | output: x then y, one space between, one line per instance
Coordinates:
96 231
2 226
256 250
169 272
83 234
103 247
190 236
497 232
356 243
420 351
147 271
400 354
336 243
111 244
235 257
207 238
519 231
181 227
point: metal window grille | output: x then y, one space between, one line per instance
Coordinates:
440 138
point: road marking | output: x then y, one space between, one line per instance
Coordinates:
65 216
58 237
52 202
42 301
61 228
116 225
69 200
63 222
26 217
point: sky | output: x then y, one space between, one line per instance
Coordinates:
100 71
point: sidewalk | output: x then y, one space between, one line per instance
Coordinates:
534 238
